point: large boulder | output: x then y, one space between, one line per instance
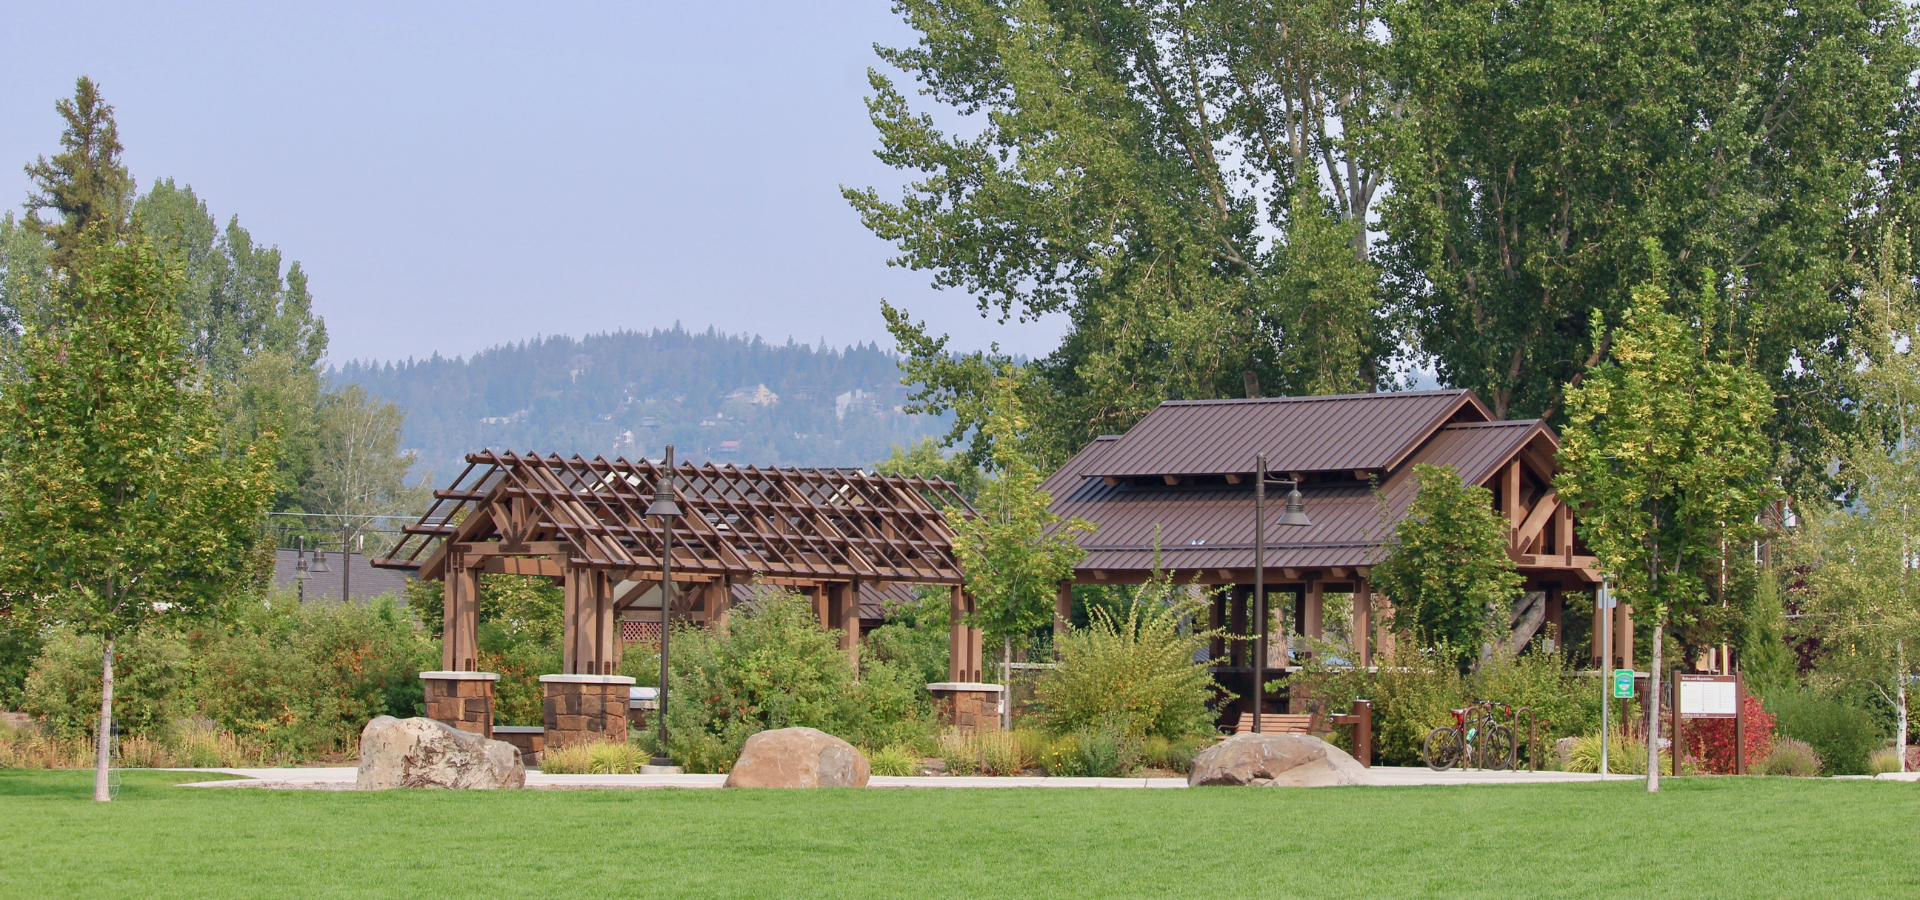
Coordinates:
1277 760
423 753
798 757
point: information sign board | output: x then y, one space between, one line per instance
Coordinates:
1623 684
1708 697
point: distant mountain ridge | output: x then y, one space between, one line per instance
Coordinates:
718 397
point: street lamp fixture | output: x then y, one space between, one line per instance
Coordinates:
667 511
1295 516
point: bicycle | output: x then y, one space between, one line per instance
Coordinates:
1477 739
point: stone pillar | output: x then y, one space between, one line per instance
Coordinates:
585 708
460 604
463 700
968 707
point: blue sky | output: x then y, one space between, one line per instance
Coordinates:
455 176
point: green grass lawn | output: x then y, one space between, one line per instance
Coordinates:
1698 838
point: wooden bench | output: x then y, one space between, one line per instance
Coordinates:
1360 720
1276 723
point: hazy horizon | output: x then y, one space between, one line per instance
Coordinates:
565 171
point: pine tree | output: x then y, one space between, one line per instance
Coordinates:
85 184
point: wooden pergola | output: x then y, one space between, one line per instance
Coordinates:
582 522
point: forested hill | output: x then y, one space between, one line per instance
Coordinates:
629 393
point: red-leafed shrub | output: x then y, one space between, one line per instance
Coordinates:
1710 741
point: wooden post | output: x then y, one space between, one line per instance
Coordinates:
1510 498
460 605
1362 628
606 627
1315 610
1739 723
963 642
1556 614
1217 620
719 601
1623 635
821 610
1242 654
1679 740
1062 608
849 609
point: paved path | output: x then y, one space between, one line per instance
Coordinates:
341 779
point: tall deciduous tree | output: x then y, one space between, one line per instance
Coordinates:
118 503
1543 146
1666 457
1861 596
359 469
1448 572
1016 551
1144 168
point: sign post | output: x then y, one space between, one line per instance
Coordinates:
1603 599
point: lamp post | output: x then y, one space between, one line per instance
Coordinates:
667 511
1294 516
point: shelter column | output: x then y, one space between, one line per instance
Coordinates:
1312 625
719 600
1362 629
1062 608
1556 615
1623 635
1383 628
589 643
963 642
1239 623
843 603
460 605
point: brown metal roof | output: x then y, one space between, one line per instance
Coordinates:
1298 434
1211 526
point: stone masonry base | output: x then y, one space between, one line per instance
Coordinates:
967 707
463 700
585 708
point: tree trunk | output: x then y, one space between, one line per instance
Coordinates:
103 745
1006 677
1653 714
1900 704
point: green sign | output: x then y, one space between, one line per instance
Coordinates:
1623 684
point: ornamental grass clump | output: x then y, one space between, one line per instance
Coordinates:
895 760
1792 756
1133 673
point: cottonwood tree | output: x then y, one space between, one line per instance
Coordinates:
1544 144
1861 559
118 503
1151 170
1016 551
1666 456
1448 571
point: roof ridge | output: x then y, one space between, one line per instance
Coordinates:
1497 423
1314 398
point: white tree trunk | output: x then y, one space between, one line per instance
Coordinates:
1006 676
1653 713
103 745
1900 703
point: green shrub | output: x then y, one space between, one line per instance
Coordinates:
304 679
914 638
1791 756
151 677
1841 735
773 667
895 760
1171 755
1883 760
1133 674
1414 692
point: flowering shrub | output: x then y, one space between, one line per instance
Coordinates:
1711 740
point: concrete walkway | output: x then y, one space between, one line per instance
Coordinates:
342 779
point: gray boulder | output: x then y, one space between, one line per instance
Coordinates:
1277 760
424 753
797 758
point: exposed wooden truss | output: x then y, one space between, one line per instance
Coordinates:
781 526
